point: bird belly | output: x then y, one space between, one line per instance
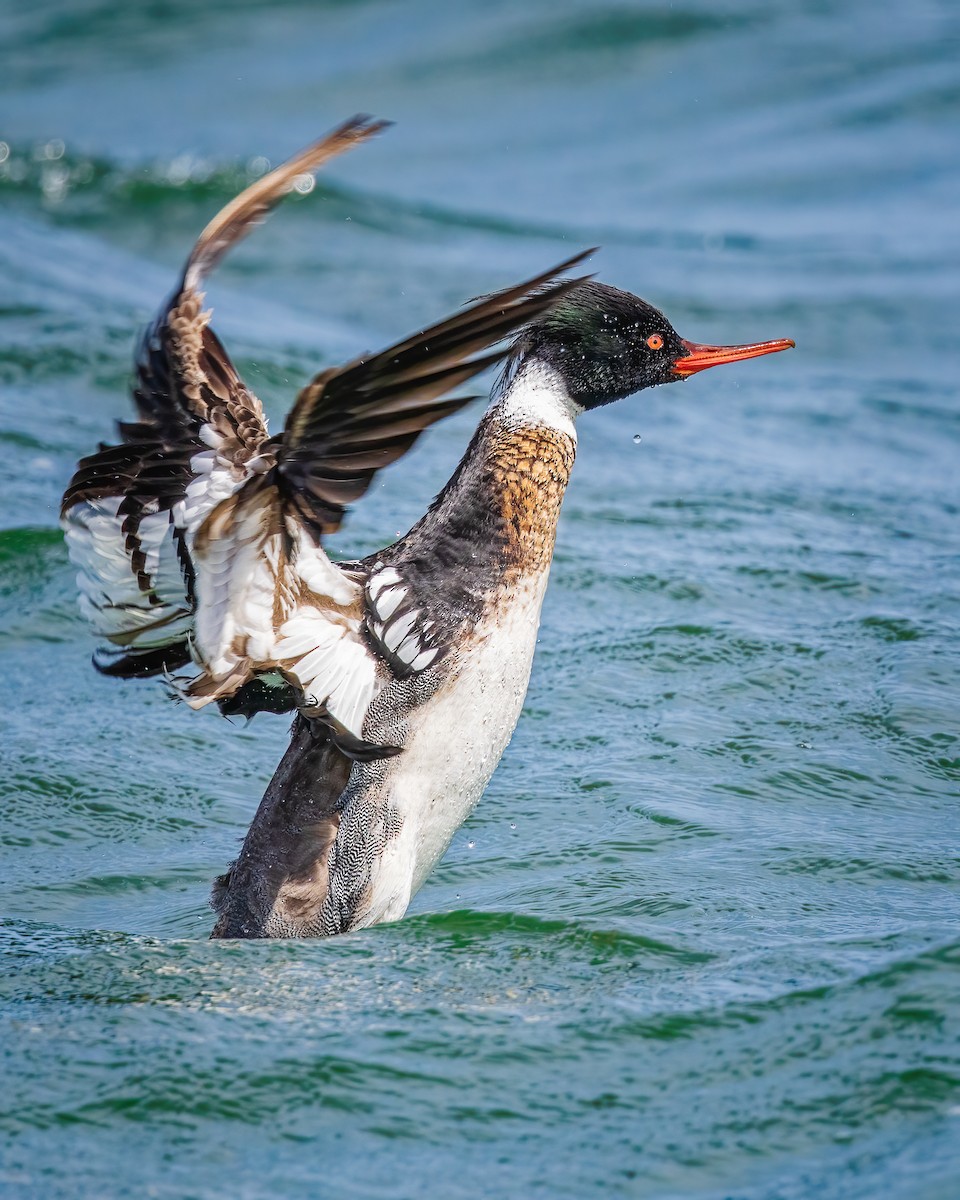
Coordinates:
454 743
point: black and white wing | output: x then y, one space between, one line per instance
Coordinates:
199 536
132 511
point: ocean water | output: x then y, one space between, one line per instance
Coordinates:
700 938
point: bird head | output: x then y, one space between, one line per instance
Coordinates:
606 344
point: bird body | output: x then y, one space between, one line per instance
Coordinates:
474 572
200 537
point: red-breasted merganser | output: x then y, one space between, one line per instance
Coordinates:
199 540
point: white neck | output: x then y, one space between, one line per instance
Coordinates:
534 394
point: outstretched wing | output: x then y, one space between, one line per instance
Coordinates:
131 511
198 536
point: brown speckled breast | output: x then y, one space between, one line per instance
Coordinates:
529 471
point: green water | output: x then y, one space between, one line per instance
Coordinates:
700 939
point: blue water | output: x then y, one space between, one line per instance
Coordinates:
700 939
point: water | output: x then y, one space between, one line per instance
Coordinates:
700 939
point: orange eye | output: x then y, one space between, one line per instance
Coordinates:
655 341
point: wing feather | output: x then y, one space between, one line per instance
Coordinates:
132 511
372 410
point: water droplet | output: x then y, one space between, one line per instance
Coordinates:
4 152
178 172
637 439
54 180
304 184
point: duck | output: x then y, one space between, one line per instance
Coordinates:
200 544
